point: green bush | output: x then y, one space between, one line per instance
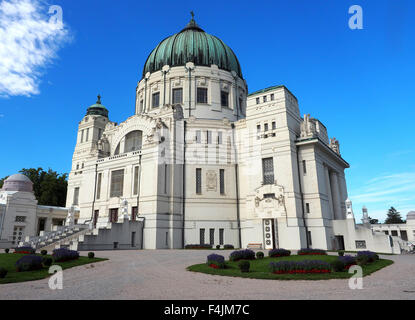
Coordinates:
228 246
29 263
43 252
218 246
7 250
244 265
91 255
260 255
337 266
3 272
47 261
362 260
341 253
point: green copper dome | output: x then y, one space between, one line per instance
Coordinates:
192 44
97 109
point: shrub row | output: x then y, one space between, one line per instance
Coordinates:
63 254
198 246
306 266
274 253
246 254
25 250
343 263
304 252
29 263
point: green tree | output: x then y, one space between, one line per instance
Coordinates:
393 216
49 187
373 221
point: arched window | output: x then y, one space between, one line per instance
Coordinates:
133 141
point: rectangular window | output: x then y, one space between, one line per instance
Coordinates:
99 185
360 244
20 219
304 167
202 236
258 128
221 238
386 232
155 100
404 235
222 180
198 180
224 99
240 105
141 105
266 127
274 125
114 215
309 238
135 186
202 95
87 134
165 178
265 98
76 196
269 195
394 233
268 170
212 236
134 213
307 207
178 96
99 133
220 137
82 136
272 97
198 136
96 215
257 100
208 137
117 183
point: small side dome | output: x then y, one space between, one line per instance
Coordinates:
18 182
410 215
97 109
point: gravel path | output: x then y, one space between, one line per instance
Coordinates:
161 274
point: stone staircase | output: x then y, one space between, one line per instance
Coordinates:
65 236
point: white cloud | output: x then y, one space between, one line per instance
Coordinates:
379 194
30 37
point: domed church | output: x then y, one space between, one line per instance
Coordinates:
202 161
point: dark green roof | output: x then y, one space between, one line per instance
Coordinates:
97 109
192 44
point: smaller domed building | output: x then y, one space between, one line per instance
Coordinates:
21 216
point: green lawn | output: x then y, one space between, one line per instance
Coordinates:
8 261
259 269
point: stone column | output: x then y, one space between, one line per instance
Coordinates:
336 195
328 191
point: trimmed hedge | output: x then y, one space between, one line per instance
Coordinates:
216 261
29 263
91 255
246 254
244 265
228 246
198 246
3 272
306 266
63 254
370 255
275 253
260 255
306 252
47 261
43 252
6 250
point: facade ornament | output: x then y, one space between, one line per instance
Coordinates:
308 127
124 209
335 145
70 219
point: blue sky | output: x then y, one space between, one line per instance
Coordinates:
359 83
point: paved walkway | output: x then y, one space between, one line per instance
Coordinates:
161 274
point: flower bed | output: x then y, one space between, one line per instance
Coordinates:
275 253
198 246
306 266
347 261
306 252
246 254
371 256
216 261
63 254
25 250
